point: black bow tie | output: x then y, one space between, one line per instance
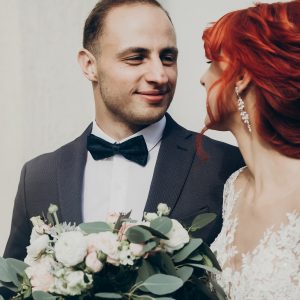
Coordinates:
134 149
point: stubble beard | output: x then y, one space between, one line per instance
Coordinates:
121 113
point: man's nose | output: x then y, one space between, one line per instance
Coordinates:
156 72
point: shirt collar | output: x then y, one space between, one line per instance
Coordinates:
152 133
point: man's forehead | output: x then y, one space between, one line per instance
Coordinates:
130 18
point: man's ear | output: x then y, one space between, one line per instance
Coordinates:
88 64
244 81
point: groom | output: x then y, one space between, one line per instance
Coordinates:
134 155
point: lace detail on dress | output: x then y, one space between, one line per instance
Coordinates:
272 269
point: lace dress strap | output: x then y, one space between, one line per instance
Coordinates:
229 194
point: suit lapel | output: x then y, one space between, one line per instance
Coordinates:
70 178
174 161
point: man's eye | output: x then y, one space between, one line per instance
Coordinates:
169 59
136 59
209 62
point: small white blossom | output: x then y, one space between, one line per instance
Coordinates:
52 208
163 209
126 257
72 283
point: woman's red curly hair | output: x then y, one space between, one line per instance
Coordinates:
265 41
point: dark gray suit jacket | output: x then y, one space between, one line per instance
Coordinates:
187 183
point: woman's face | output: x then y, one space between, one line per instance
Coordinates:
212 74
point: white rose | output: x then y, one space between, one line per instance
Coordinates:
178 237
163 209
150 216
71 248
93 263
38 245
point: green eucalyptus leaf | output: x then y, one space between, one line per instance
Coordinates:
122 218
202 220
7 273
207 268
197 257
161 224
4 271
108 295
187 250
18 265
205 250
39 295
147 297
149 246
207 261
94 227
161 284
145 271
137 234
185 273
164 262
9 285
154 232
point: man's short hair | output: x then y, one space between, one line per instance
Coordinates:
94 23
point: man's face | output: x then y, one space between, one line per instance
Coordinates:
136 66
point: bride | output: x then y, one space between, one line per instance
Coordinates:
253 86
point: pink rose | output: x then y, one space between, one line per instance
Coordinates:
106 242
40 275
93 263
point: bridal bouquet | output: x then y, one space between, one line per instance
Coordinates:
118 259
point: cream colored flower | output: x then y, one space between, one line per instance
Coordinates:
38 246
178 237
71 248
40 274
137 249
163 209
150 216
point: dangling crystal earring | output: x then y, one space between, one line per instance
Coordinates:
241 106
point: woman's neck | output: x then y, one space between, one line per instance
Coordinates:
270 172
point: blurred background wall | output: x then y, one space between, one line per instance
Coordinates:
46 102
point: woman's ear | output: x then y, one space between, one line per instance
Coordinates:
88 64
244 81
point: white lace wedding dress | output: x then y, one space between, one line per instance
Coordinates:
272 269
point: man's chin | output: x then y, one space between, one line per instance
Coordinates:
148 119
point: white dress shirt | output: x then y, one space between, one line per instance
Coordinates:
116 184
